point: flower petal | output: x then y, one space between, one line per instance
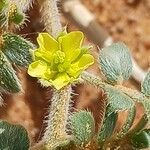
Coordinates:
62 79
43 55
70 43
84 62
37 69
47 42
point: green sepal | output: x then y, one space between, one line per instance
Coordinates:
83 127
16 49
9 82
115 62
13 137
117 100
141 139
108 126
145 87
17 18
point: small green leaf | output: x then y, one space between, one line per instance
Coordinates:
141 139
83 127
13 137
129 121
108 126
117 100
115 62
9 82
18 18
145 87
16 49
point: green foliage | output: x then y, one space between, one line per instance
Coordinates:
129 121
10 14
145 87
117 100
83 127
17 17
108 127
9 82
141 139
115 62
16 49
13 137
116 65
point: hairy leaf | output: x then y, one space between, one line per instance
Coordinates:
117 100
16 49
108 126
145 87
141 139
13 137
83 127
129 121
9 82
115 62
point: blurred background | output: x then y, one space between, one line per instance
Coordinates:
122 20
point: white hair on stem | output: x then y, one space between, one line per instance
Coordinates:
24 5
57 120
50 16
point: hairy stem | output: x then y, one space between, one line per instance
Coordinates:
23 4
55 133
50 16
56 130
98 83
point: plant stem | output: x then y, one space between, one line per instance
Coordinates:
55 133
57 118
98 83
50 16
92 79
23 4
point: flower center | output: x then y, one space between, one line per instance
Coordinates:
60 63
63 67
59 57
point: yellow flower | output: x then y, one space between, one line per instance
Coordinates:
58 62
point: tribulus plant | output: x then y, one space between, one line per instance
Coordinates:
59 61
